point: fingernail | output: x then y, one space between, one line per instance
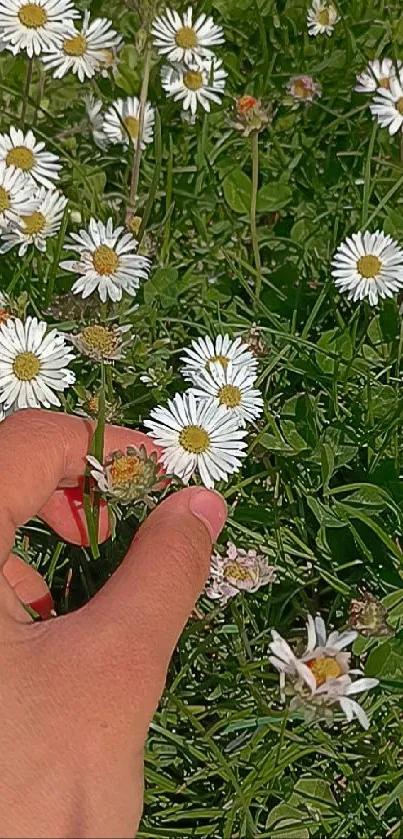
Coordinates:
210 507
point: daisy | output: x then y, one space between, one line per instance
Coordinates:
33 364
387 106
377 74
195 85
107 262
368 265
322 676
94 107
231 388
237 571
304 88
40 224
179 39
82 50
127 476
35 26
126 111
16 196
21 153
204 352
197 436
322 17
101 343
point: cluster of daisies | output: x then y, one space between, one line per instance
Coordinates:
204 429
384 78
194 75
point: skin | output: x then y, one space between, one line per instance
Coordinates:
77 692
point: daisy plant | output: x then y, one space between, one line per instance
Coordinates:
238 570
22 153
368 265
180 39
35 227
234 389
82 50
321 678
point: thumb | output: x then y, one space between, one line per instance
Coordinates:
148 600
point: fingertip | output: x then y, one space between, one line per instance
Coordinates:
210 508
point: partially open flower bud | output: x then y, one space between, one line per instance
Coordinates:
126 477
368 616
250 115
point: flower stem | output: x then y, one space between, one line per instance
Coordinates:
253 201
28 77
91 502
134 182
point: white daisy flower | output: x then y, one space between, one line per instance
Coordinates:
22 153
378 73
179 39
322 18
234 389
101 343
204 352
304 88
368 265
195 85
322 676
107 262
197 436
82 50
16 196
126 111
387 106
237 571
35 26
94 107
33 364
35 227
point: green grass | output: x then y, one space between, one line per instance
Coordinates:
321 488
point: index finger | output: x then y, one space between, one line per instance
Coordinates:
39 450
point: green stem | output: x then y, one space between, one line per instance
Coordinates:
50 282
134 182
28 77
109 381
253 201
91 504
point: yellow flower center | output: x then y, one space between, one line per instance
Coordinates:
105 260
21 158
125 469
230 396
369 266
323 669
236 572
399 105
323 17
76 45
100 338
194 439
385 83
34 223
26 366
217 359
193 79
4 200
301 89
132 125
186 37
32 16
93 405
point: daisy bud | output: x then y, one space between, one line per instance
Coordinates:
250 115
368 616
126 477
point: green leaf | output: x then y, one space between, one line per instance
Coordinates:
272 197
237 191
327 463
386 661
163 285
323 514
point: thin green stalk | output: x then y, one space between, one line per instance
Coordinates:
168 201
109 381
253 202
367 177
91 502
156 175
50 281
134 182
25 96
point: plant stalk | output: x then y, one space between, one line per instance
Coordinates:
25 96
134 182
253 202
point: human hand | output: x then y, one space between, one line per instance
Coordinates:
77 693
